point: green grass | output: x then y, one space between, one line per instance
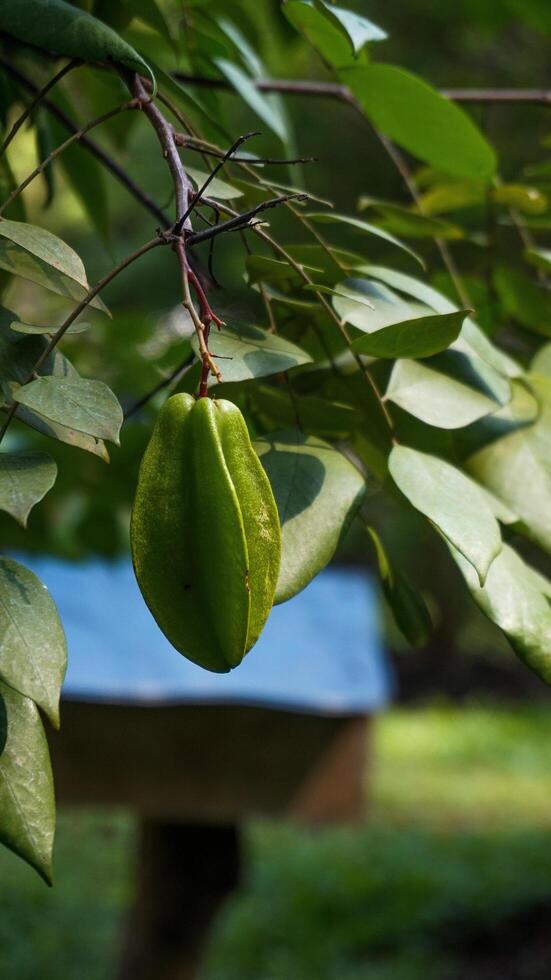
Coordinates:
457 841
457 768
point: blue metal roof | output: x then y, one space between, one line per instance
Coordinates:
319 652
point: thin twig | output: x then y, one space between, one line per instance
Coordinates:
54 341
200 323
200 193
333 90
184 195
38 98
63 146
240 221
92 147
204 147
173 377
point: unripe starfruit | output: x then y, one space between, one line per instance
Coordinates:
205 533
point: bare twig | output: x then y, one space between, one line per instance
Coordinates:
240 221
201 323
333 90
182 228
204 147
61 331
200 193
37 99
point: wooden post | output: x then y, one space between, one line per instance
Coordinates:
184 873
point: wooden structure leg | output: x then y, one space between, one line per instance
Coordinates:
184 873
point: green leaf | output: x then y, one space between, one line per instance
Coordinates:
25 479
34 253
8 183
439 398
184 99
289 299
60 28
517 468
33 654
242 47
151 14
529 200
372 437
45 143
315 415
406 603
513 599
63 433
251 352
471 340
79 326
250 59
452 501
540 257
18 355
317 491
368 305
526 301
453 195
359 30
260 268
410 224
257 101
419 337
217 189
27 805
521 411
408 110
328 217
501 512
328 36
76 403
3 724
541 363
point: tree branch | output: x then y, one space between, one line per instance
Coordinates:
333 90
240 221
165 133
209 149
